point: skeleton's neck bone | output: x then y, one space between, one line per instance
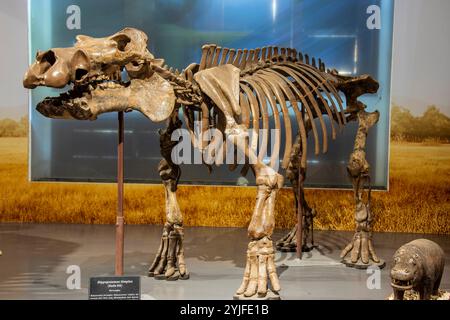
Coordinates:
186 92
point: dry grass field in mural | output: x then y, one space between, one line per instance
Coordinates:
418 200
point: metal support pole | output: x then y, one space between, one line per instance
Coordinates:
119 219
300 211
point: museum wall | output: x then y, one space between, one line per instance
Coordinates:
14 59
418 199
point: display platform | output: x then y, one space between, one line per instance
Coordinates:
37 257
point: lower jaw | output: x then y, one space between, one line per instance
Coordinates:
64 112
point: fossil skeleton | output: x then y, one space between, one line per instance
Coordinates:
235 91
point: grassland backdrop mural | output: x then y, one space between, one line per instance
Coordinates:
418 199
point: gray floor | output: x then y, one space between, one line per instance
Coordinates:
36 256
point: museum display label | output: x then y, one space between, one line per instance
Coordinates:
115 288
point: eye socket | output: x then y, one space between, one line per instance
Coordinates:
122 41
80 73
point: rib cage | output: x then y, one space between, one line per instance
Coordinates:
278 79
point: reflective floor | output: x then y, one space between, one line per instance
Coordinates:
36 257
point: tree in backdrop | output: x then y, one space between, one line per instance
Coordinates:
13 128
433 124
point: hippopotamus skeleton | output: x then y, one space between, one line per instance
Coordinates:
232 90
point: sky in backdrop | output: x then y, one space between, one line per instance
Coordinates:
421 51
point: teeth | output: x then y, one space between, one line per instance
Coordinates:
405 283
108 85
80 101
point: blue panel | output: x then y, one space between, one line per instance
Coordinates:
335 31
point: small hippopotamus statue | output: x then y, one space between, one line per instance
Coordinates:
417 265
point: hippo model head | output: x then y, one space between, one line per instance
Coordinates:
113 73
405 272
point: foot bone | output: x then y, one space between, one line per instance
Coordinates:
260 266
169 262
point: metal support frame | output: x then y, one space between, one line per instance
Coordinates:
119 218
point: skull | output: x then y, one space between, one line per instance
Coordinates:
93 68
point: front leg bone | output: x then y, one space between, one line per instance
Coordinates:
169 263
260 268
